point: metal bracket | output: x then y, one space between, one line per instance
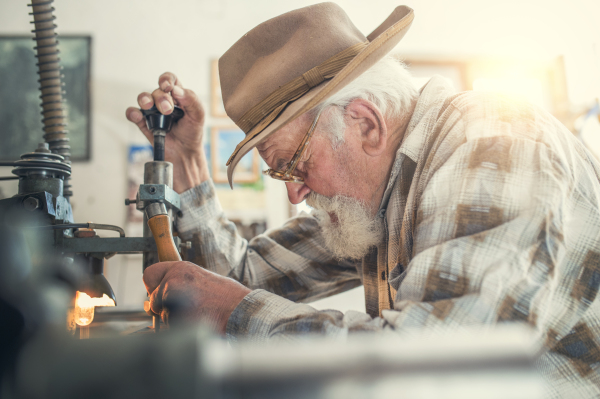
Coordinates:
159 193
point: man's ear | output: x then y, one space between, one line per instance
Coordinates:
366 118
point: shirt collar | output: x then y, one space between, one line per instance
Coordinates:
431 98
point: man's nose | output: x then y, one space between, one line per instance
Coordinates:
297 192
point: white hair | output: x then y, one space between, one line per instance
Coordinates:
387 84
354 231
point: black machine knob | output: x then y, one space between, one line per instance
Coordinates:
157 121
160 125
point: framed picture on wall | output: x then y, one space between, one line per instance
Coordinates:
541 81
20 116
423 68
217 108
223 143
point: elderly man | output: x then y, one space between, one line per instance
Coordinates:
451 209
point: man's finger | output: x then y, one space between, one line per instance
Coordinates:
164 101
154 274
148 309
189 101
155 299
135 115
145 100
186 99
167 81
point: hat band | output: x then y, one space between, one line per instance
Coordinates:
257 118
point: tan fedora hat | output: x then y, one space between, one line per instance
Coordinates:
289 64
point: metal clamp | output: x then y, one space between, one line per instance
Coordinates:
149 193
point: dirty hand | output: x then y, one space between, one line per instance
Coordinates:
183 144
196 293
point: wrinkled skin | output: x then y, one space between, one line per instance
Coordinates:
198 293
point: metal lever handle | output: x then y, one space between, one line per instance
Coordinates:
160 225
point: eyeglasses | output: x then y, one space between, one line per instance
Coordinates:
288 175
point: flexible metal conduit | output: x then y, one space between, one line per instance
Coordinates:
50 80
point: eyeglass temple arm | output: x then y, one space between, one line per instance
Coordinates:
301 148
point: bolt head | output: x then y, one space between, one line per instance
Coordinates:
43 147
31 203
152 189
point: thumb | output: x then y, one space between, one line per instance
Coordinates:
156 302
154 274
135 115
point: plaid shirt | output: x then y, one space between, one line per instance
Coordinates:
491 214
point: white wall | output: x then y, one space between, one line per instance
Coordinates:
134 41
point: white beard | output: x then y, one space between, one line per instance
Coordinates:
354 231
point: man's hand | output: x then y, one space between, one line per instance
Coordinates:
197 293
183 144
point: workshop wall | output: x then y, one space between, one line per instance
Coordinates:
134 41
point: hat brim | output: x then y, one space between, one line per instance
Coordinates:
382 41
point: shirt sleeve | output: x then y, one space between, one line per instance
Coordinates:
288 261
506 230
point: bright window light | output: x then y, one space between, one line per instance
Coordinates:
529 88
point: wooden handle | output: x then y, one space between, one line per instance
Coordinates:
160 226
